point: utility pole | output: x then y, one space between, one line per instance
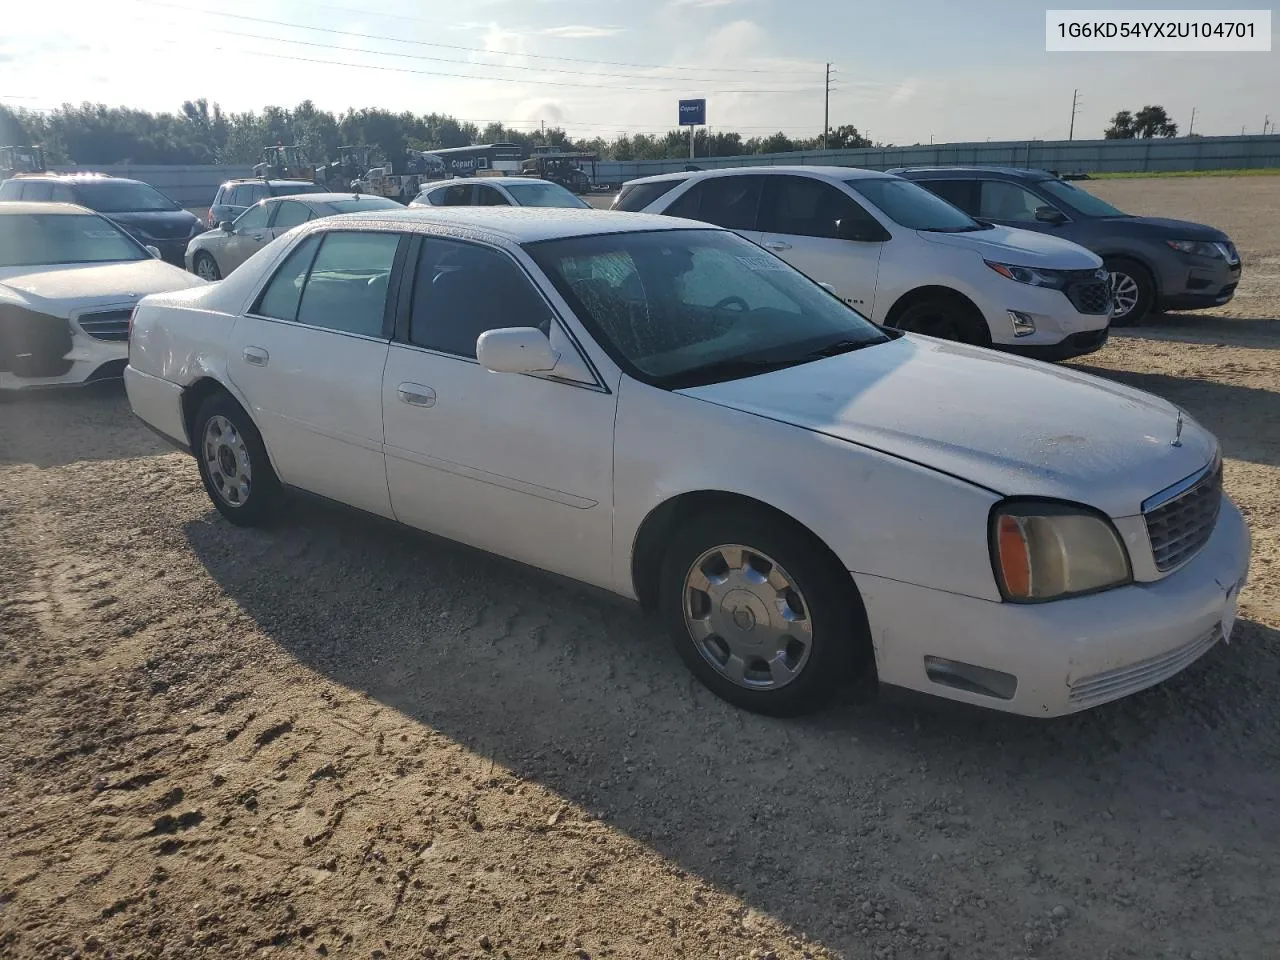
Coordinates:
1191 127
1075 99
544 131
1265 124
826 108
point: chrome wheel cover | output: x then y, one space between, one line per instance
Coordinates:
747 618
226 460
1124 294
206 268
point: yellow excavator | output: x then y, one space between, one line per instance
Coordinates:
284 163
14 160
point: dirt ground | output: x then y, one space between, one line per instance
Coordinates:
336 737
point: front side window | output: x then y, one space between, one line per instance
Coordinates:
912 206
802 206
122 196
1081 201
678 308
346 290
290 214
29 239
729 202
254 218
461 290
1000 200
544 195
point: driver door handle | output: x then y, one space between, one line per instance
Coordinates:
257 356
416 394
777 245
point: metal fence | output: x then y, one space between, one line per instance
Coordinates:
188 186
1064 156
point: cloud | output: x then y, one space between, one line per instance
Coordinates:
578 31
702 3
905 91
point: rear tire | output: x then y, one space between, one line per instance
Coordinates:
948 318
233 463
1131 281
204 266
779 626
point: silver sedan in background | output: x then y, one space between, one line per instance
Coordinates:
215 253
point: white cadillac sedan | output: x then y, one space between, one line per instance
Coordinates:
667 411
69 279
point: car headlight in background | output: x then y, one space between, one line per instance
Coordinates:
1043 550
1198 248
1035 276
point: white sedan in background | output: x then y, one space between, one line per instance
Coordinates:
69 278
497 192
667 411
215 253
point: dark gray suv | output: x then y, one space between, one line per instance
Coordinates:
1155 264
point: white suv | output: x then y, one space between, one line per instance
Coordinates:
900 255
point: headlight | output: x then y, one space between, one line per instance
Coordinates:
1043 550
1034 276
1197 248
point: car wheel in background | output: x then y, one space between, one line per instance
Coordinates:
205 267
1132 290
233 462
760 611
947 318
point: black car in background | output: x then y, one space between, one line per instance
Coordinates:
140 209
1155 264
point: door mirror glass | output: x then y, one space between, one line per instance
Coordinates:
515 350
858 230
1050 215
226 226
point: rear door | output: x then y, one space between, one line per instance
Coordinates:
798 222
732 202
308 357
487 196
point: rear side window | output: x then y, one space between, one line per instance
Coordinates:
802 206
10 190
238 196
457 196
37 190
346 290
636 196
730 202
963 193
280 298
487 196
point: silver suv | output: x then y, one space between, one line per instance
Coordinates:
236 196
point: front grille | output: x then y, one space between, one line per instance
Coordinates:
107 325
1090 296
1113 684
1179 527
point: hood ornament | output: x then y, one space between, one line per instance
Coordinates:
1177 432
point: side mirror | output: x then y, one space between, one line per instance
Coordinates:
515 350
1050 215
860 231
226 226
827 287
154 251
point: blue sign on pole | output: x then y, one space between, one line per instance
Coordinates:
693 113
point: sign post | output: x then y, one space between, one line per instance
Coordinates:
693 113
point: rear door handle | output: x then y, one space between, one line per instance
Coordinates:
257 356
777 245
416 394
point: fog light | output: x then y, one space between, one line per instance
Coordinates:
1023 324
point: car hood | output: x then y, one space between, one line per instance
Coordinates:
1162 228
48 288
157 224
1016 427
1025 248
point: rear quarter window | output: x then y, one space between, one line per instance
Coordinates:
635 197
10 190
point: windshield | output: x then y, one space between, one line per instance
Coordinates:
912 206
355 205
29 239
678 308
543 195
120 196
1082 201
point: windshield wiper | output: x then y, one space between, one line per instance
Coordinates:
971 228
839 347
733 369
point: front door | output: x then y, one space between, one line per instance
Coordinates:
516 464
250 233
308 358
798 219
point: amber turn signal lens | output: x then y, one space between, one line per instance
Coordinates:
1015 557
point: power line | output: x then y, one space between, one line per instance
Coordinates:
452 46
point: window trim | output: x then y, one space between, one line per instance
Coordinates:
404 310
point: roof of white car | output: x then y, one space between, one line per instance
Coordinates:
500 181
20 207
517 224
324 197
830 172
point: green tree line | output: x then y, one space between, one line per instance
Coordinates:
203 133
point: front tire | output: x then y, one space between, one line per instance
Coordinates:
1132 290
233 463
947 318
760 613
204 266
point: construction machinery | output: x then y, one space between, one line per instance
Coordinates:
354 161
284 163
560 166
21 160
401 181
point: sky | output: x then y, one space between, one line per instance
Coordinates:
903 71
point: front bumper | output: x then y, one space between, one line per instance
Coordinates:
1198 283
1060 329
1066 655
61 355
1072 345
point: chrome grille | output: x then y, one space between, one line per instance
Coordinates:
106 325
1180 526
1113 684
